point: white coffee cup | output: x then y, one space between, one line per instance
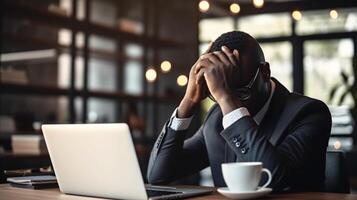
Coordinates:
244 176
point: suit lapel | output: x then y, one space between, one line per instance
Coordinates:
287 112
274 119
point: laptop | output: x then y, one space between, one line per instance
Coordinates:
99 160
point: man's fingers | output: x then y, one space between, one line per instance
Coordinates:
223 58
236 54
200 76
205 52
231 56
208 48
201 64
211 57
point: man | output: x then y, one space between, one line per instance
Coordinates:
255 118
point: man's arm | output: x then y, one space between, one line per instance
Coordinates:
174 157
306 141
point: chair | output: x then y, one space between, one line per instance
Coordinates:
336 175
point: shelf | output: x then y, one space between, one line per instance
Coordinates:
31 24
10 88
42 43
341 135
44 16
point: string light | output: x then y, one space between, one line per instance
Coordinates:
258 3
151 75
165 66
204 6
235 8
333 14
337 145
182 80
296 15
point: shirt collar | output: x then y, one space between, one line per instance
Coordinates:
260 115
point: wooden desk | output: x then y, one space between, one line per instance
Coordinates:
9 193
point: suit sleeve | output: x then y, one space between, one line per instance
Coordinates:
173 156
307 140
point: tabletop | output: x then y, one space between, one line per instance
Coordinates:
9 193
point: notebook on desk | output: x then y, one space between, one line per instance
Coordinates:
33 182
99 160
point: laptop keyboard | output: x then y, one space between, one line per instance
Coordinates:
154 193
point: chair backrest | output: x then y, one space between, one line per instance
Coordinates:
336 175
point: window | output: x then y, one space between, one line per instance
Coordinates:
266 25
102 75
323 63
133 83
203 47
321 22
210 29
64 60
279 57
101 110
133 69
103 13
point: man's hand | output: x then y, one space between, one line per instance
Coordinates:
217 69
195 92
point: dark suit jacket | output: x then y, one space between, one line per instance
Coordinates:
291 142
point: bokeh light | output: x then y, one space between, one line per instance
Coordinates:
204 6
296 15
258 3
165 66
151 75
182 80
333 14
235 8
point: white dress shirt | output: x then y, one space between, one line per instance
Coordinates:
179 124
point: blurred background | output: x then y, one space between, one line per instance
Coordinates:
101 61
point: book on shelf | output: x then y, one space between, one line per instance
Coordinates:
13 76
58 10
28 144
130 26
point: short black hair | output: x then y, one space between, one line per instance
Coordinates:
237 40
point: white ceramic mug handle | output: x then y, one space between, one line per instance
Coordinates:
269 178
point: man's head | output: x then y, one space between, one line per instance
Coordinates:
251 57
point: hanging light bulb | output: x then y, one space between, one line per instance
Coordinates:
151 75
235 8
337 145
204 6
182 80
165 66
296 15
258 3
333 14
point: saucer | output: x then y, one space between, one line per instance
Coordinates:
244 195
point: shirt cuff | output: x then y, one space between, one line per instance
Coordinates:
179 124
234 116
